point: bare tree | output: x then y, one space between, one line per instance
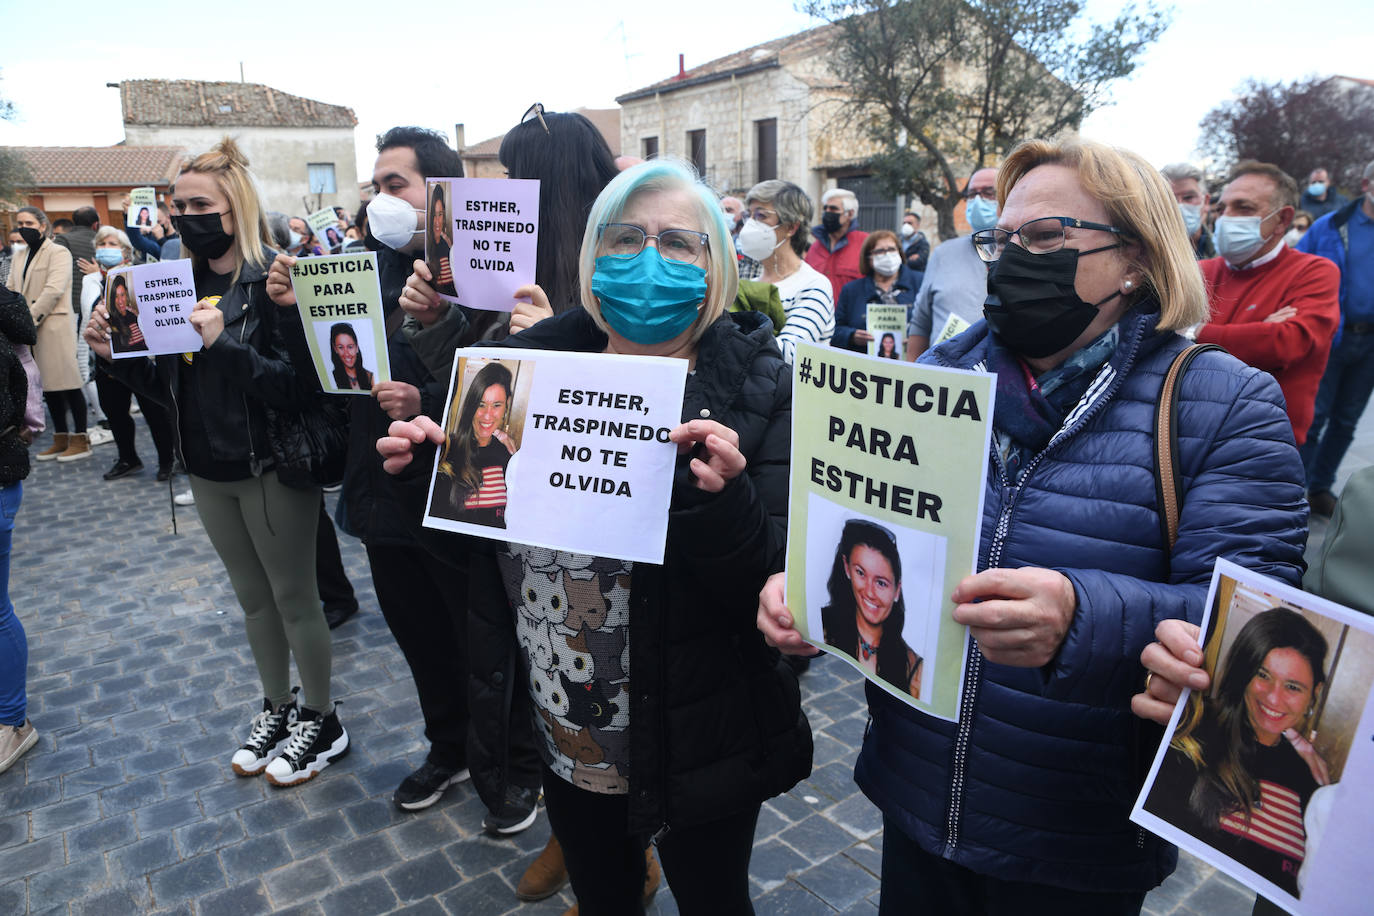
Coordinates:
942 87
1310 123
14 171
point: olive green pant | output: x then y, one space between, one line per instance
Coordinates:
264 531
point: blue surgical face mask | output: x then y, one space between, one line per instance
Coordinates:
109 257
1316 188
648 299
1192 217
1239 237
981 214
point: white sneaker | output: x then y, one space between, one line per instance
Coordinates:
185 499
99 436
15 740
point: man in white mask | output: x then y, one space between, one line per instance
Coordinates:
956 280
1190 190
1272 306
915 246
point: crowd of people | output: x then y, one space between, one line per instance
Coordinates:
1085 273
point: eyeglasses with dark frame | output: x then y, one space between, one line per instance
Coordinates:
1038 236
625 240
537 111
988 193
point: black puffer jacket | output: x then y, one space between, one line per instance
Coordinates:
716 718
16 328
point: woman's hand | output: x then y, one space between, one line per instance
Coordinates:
505 439
724 461
97 332
87 267
279 288
397 447
861 336
419 299
398 400
775 620
1309 754
1018 616
527 314
208 320
1174 662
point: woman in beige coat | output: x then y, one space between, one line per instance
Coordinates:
42 273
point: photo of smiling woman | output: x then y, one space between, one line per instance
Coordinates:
866 614
470 485
125 334
347 359
439 239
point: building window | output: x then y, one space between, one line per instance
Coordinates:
766 137
321 176
696 150
650 145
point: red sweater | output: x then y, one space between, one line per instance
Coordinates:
841 265
1293 351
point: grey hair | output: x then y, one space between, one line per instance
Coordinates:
1182 171
792 205
1368 173
850 199
279 224
119 235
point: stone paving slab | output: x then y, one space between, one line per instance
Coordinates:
141 685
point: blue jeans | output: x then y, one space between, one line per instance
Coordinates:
14 647
1341 398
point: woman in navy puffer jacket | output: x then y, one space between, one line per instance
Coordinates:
1022 804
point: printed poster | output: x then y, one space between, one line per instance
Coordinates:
480 240
568 451
954 326
889 461
142 212
340 301
149 307
887 324
1268 773
325 224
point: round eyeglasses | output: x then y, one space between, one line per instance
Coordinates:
1038 236
623 240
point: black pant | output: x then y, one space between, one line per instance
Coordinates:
914 882
336 592
706 865
60 402
114 398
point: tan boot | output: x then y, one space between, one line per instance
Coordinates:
59 445
652 876
78 447
545 875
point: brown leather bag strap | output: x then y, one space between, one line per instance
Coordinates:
1168 477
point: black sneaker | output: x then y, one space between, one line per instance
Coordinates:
316 741
335 616
426 786
122 468
517 814
164 473
266 737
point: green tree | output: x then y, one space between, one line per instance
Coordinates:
941 87
14 171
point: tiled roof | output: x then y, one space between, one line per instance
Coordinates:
753 58
605 120
82 166
159 103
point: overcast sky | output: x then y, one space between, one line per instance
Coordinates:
435 64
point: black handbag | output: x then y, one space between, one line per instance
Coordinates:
309 446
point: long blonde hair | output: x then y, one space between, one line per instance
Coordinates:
1138 202
227 165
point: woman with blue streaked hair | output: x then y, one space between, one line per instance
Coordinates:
661 711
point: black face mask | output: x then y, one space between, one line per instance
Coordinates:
203 234
32 237
830 222
1032 305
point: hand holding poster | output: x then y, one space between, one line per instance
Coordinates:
889 462
142 210
325 224
481 239
1267 772
561 450
887 327
340 301
148 306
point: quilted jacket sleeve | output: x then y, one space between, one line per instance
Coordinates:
269 374
1243 500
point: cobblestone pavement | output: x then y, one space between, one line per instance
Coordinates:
141 684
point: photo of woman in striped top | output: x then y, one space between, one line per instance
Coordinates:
471 486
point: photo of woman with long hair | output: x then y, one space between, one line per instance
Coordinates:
144 219
887 347
439 241
347 359
125 334
471 483
865 614
1240 769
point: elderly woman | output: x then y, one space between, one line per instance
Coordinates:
775 235
1024 801
704 723
885 280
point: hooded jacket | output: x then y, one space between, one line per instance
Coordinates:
1036 779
